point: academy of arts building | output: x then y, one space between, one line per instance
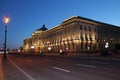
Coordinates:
75 35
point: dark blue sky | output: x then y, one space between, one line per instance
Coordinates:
29 15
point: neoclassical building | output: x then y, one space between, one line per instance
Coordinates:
75 35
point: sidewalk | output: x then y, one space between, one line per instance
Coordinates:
9 72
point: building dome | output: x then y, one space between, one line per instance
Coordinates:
43 28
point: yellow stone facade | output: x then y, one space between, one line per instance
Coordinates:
75 35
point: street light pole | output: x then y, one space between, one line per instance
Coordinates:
6 20
5 56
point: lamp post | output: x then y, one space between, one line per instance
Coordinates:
6 20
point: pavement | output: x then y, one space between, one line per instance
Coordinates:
9 71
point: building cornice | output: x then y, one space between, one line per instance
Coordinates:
89 21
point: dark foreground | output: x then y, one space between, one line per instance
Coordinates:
26 67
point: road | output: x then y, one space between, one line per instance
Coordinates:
62 68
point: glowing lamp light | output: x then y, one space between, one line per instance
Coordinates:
6 19
49 48
61 51
32 47
67 48
106 45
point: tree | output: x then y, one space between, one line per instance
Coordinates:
21 49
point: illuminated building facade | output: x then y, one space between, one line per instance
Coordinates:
75 35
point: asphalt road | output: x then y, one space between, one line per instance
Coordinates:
62 68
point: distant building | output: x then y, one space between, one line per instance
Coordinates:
75 35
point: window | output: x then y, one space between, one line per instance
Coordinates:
85 28
95 29
81 27
90 37
89 28
81 36
81 45
86 45
86 37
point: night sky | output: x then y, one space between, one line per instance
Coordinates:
28 15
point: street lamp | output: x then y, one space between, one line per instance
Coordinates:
106 45
6 20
